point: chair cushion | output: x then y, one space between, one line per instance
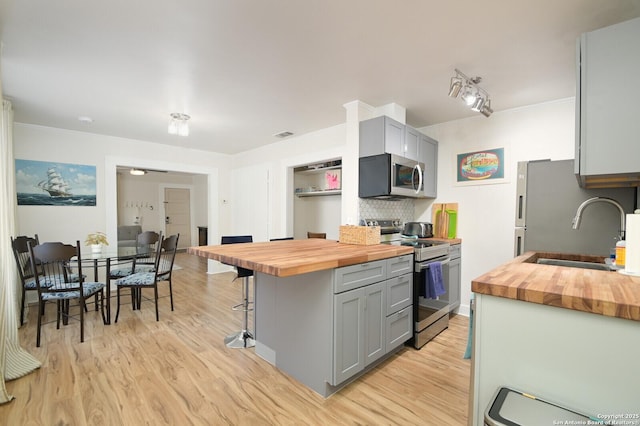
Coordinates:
123 272
30 283
140 278
89 289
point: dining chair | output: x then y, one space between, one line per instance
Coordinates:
162 271
147 244
316 235
51 266
243 338
20 247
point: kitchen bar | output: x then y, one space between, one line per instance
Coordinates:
305 293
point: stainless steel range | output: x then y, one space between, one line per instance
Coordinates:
431 316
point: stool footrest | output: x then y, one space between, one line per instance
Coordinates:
242 307
242 339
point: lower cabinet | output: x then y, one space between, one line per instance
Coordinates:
369 321
359 330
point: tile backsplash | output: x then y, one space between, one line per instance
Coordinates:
386 209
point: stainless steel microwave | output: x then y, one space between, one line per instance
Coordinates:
390 176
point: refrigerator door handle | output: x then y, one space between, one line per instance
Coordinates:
521 194
518 246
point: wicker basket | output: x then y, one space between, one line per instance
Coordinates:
359 235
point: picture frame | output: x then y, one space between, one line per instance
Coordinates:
481 167
44 183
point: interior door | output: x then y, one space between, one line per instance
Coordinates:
177 209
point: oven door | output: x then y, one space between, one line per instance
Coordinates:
407 177
431 315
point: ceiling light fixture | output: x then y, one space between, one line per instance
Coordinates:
137 172
473 95
178 124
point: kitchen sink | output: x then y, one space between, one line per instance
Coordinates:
574 264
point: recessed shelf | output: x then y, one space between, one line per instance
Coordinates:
319 193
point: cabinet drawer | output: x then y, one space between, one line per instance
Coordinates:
399 328
399 293
354 276
401 265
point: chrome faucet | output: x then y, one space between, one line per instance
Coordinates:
581 207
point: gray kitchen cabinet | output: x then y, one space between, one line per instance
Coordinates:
354 276
399 312
398 328
400 265
428 154
411 143
607 124
454 277
373 312
381 134
358 330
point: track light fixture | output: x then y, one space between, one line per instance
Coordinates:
473 95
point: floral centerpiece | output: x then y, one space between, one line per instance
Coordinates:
96 241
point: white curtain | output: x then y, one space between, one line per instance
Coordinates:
14 361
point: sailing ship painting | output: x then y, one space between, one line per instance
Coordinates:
55 185
41 183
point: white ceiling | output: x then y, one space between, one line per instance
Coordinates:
247 69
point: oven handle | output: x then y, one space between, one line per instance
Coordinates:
425 265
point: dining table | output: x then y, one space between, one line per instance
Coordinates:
105 258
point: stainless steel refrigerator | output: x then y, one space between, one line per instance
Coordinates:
547 199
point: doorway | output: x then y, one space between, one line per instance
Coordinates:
177 213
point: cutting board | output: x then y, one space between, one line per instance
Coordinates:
444 217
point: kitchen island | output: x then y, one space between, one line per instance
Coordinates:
325 312
567 335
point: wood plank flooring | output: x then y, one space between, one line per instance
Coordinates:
177 371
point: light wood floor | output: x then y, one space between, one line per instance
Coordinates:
177 371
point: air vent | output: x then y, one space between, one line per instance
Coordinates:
283 134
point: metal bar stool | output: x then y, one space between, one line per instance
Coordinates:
243 338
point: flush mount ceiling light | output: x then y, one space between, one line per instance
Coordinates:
178 124
137 172
473 95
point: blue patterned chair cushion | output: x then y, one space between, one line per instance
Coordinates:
30 283
89 289
123 272
141 279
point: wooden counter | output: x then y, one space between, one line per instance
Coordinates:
599 292
294 257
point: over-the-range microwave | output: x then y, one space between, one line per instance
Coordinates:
389 176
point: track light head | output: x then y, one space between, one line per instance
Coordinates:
478 104
455 86
486 109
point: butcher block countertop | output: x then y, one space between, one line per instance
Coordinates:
600 292
294 257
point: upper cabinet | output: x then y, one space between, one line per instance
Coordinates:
428 154
383 134
607 117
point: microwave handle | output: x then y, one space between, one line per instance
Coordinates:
419 170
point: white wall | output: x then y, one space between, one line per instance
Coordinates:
106 152
280 158
486 216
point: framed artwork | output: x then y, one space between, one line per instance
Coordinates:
481 167
43 183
